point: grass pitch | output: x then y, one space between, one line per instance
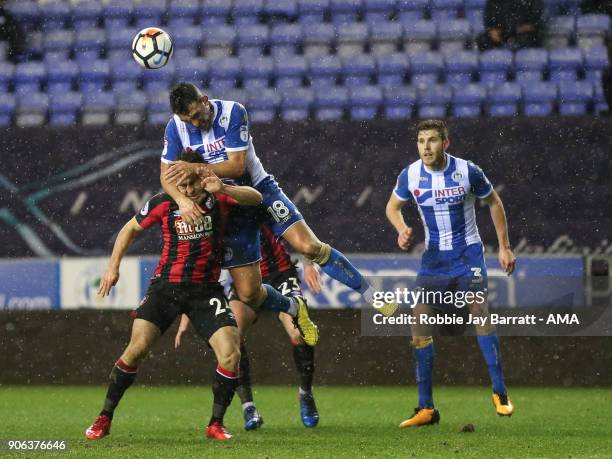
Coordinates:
168 422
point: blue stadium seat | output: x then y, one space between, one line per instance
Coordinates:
290 72
281 10
158 108
216 12
61 75
247 12
539 98
399 102
159 80
251 40
126 78
31 109
530 64
7 108
494 66
324 71
599 100
7 70
460 67
238 95
426 68
94 76
97 108
319 39
149 12
296 104
378 11
194 69
183 12
392 69
410 11
419 36
385 37
595 61
257 73
476 19
29 76
454 35
445 10
365 101
564 63
285 39
575 97
344 12
130 108
187 37
265 108
120 39
330 105
559 31
434 101
504 100
225 74
218 41
351 39
358 70
54 15
591 30
64 108
468 101
89 44
117 14
60 42
312 11
26 13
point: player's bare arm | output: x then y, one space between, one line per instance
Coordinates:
507 260
190 211
394 215
244 195
312 276
124 239
183 326
232 168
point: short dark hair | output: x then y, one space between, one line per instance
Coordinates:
191 156
182 96
433 125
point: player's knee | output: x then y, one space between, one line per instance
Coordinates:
135 352
229 358
251 296
420 342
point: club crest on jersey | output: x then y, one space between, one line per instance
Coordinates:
244 133
224 121
210 202
457 175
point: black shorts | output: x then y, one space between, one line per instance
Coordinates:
205 305
287 283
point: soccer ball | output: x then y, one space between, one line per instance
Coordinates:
152 48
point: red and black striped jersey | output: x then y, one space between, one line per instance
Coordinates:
190 254
275 257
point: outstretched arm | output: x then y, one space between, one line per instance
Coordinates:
507 260
394 215
232 168
244 195
122 243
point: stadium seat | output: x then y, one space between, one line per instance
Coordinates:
329 105
378 12
61 75
494 66
93 76
419 36
158 108
225 74
194 69
117 39
60 42
54 15
365 101
426 68
324 71
149 12
504 99
453 35
564 64
285 39
97 108
351 39
358 70
296 104
89 44
7 70
183 13
130 108
468 101
399 102
7 108
216 12
344 12
117 14
319 39
29 76
290 72
265 108
31 109
530 64
539 98
559 31
26 13
460 67
595 61
278 11
160 80
411 11
251 40
247 12
64 108
385 37
575 97
476 19
445 10
433 101
257 73
392 69
218 41
599 100
187 37
591 30
312 11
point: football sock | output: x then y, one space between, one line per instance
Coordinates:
424 358
338 267
276 301
303 355
489 345
121 376
244 389
224 386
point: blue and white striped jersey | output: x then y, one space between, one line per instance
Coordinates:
229 132
445 200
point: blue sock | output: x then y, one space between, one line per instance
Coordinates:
275 301
489 345
338 267
424 358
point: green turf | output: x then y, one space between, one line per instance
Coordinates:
355 422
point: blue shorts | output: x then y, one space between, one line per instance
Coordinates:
242 243
457 270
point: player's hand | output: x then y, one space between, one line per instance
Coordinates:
109 279
507 260
182 329
404 238
313 278
212 183
191 213
179 170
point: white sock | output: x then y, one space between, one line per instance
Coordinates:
245 405
304 392
292 311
